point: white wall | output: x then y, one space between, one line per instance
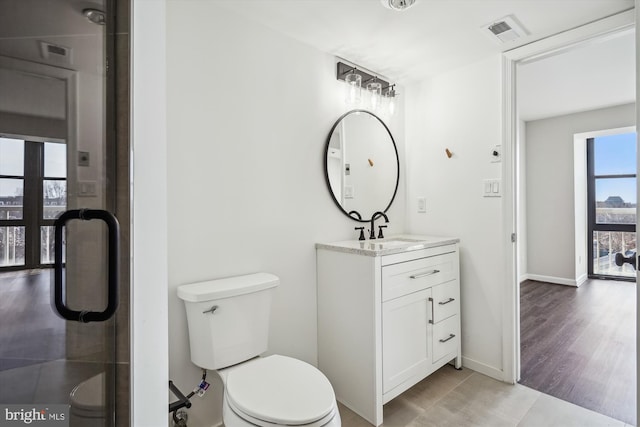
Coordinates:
149 349
249 111
461 110
551 223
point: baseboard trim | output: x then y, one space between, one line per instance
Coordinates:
480 367
580 280
555 280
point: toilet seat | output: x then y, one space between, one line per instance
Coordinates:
87 398
280 390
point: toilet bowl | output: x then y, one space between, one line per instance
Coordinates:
87 403
228 322
278 391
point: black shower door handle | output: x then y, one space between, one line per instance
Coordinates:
59 297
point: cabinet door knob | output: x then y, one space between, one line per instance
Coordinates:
447 301
428 273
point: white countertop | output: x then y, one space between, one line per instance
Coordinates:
388 245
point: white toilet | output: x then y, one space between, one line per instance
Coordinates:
87 403
228 329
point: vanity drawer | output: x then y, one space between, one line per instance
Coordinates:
411 276
446 337
446 300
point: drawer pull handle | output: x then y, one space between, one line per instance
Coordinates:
451 336
428 273
447 301
431 301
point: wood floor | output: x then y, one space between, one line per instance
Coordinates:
579 344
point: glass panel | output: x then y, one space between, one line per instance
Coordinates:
11 157
11 198
616 201
54 198
615 154
47 239
55 160
11 246
606 244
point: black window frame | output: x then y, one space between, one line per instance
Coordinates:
592 224
32 207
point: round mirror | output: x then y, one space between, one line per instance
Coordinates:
362 168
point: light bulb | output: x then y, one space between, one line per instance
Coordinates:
375 90
392 106
353 92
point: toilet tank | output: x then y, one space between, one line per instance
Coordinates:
228 318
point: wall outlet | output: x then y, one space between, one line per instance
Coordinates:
422 205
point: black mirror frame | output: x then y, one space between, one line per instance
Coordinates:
326 169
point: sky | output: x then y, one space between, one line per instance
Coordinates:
12 163
615 154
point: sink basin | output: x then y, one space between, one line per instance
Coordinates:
398 241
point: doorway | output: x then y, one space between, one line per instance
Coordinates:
564 263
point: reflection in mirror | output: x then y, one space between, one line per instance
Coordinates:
361 165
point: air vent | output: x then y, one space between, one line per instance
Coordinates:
55 54
504 30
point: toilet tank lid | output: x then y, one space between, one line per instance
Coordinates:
227 287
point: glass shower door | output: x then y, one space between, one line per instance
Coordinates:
57 202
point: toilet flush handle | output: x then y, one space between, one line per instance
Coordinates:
211 310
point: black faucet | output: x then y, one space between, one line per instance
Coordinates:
372 234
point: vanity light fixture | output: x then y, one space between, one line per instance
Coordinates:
377 89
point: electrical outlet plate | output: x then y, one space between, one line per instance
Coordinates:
422 204
492 188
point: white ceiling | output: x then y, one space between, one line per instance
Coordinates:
431 37
595 75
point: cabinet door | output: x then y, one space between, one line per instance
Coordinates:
406 349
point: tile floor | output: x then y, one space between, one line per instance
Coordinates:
452 398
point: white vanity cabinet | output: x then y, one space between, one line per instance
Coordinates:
388 316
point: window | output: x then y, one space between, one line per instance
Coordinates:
33 192
611 162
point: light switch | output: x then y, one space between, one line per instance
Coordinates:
348 191
491 188
87 188
422 204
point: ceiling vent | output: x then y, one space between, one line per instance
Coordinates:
504 30
55 54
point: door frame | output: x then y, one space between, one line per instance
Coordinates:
549 46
